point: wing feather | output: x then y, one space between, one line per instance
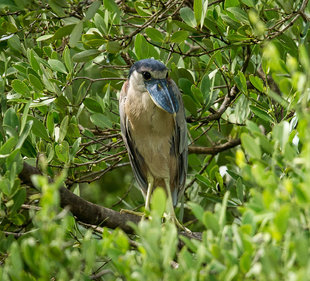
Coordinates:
135 158
180 144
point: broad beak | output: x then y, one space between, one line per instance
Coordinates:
162 95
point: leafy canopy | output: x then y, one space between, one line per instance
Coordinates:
243 68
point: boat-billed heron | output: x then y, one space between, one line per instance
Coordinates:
154 130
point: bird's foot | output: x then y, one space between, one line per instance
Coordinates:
177 223
182 227
139 214
143 215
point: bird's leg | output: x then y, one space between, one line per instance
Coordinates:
150 187
171 212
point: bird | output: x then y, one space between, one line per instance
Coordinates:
154 130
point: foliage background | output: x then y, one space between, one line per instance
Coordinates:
244 70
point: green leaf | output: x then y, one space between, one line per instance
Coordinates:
85 56
24 133
188 16
63 128
240 189
141 9
219 180
261 113
179 36
113 47
36 82
76 34
197 210
34 60
25 115
249 3
277 98
21 88
282 217
222 216
10 119
57 65
111 6
15 43
198 10
75 146
211 222
45 37
197 94
50 122
241 82
63 31
101 121
281 133
36 103
28 250
158 201
245 262
91 11
304 57
185 85
141 47
190 104
257 82
14 162
67 59
205 85
154 34
50 152
5 186
2 85
253 128
238 14
62 151
92 105
7 147
19 199
58 7
170 241
39 129
250 146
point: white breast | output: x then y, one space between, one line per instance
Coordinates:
151 131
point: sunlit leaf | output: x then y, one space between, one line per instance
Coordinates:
57 65
21 88
257 82
101 120
76 34
188 16
179 36
250 146
85 55
154 34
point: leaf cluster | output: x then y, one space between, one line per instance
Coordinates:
243 69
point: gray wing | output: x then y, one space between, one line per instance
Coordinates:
181 147
136 160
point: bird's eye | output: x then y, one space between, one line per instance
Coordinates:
146 75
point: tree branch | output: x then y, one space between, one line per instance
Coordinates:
215 149
85 211
295 16
89 213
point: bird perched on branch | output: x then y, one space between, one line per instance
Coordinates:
154 130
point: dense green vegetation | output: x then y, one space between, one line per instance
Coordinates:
244 70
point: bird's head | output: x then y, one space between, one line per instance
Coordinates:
152 76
